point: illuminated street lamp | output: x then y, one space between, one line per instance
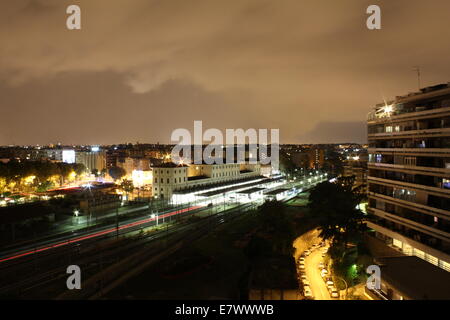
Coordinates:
153 216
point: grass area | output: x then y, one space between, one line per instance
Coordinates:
299 201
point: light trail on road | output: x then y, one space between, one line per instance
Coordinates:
98 234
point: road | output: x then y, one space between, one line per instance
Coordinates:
317 285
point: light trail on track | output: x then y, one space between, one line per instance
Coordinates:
97 234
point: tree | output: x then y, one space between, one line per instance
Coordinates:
79 168
116 173
127 186
275 222
258 247
334 205
95 172
44 186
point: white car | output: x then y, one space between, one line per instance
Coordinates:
307 292
305 282
334 293
324 273
321 265
307 252
330 284
302 267
301 259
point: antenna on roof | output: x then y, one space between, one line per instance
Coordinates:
417 69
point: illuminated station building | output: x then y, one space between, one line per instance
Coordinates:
211 182
409 174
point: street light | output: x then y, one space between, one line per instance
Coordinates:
153 217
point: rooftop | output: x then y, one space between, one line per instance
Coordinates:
169 165
217 185
415 278
251 190
276 191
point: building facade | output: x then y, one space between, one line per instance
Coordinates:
169 177
409 174
91 160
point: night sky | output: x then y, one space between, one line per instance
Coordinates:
139 69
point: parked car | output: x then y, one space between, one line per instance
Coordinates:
302 267
307 292
321 265
307 252
330 284
305 282
324 273
303 277
334 293
301 259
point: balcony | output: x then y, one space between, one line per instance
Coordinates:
427 152
399 115
423 133
437 172
414 238
425 209
439 191
410 220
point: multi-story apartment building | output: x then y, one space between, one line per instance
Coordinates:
169 177
91 160
409 173
130 164
356 165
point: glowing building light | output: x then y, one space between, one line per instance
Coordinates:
68 156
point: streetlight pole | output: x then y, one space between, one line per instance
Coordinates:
153 216
117 216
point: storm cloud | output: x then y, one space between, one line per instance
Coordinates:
139 69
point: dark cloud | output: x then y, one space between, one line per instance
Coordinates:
336 132
141 68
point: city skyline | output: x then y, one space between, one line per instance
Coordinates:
138 72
